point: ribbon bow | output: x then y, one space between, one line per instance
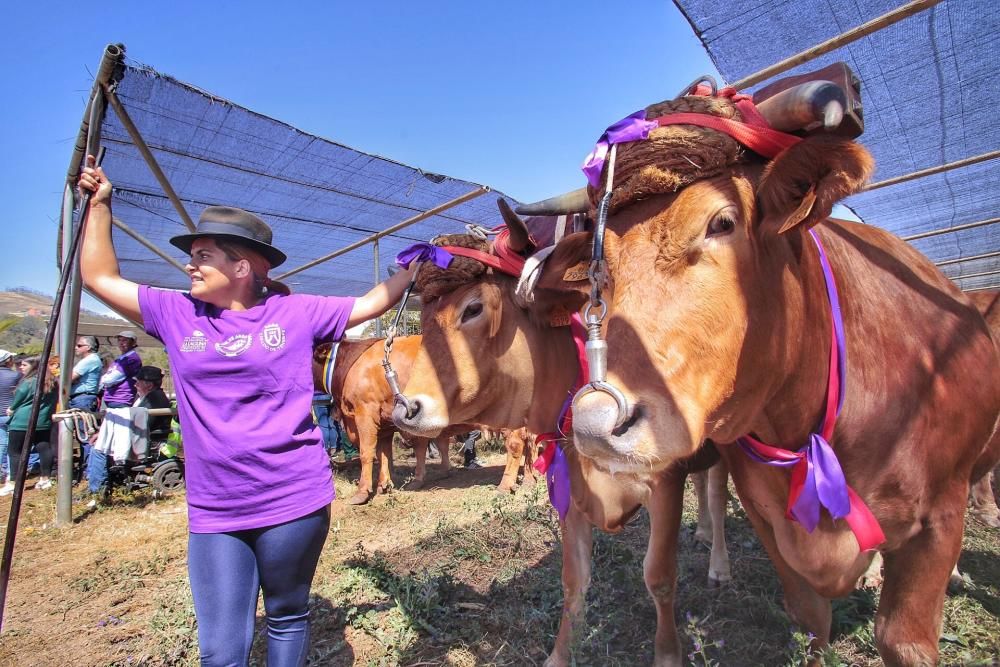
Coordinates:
424 252
630 128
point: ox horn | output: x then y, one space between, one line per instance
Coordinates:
808 106
577 201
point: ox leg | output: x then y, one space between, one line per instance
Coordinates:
514 444
577 547
984 505
530 454
385 461
908 620
703 533
659 567
367 443
719 571
805 607
420 451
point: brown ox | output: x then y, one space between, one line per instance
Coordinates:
364 401
519 444
984 504
719 326
486 360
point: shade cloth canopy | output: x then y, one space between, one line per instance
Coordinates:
930 95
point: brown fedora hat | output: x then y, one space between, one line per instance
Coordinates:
235 224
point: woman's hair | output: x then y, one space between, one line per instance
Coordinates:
91 342
259 267
50 383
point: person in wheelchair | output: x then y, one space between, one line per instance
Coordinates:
150 394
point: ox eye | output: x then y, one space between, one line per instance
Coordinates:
471 311
722 223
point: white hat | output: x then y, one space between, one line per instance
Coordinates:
5 356
128 334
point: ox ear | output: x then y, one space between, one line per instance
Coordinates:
802 184
519 237
563 287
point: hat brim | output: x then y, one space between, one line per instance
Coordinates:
274 256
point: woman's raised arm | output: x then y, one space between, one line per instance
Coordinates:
98 262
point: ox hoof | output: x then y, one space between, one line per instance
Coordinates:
555 661
529 481
415 485
385 489
360 497
719 579
506 488
991 519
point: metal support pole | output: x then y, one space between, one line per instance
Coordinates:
154 166
912 176
949 230
148 244
975 275
378 320
967 259
483 189
68 316
862 30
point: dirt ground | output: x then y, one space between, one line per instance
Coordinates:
453 574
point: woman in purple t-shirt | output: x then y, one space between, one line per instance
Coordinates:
258 478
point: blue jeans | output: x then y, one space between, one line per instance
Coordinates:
97 471
227 570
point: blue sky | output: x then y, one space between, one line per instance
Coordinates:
469 89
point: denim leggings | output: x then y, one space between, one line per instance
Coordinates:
228 569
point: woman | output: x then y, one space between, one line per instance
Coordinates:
258 479
20 415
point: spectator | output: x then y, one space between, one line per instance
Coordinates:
325 422
469 449
20 415
86 374
8 382
258 480
150 395
118 385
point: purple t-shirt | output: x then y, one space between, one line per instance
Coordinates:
119 379
253 455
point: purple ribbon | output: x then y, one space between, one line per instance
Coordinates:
424 252
825 484
630 128
557 480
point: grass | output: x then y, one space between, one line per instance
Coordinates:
451 575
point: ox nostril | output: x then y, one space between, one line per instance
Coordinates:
412 409
636 415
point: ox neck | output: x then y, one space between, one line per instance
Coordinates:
798 404
554 377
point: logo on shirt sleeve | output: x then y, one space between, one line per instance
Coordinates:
196 342
234 345
272 337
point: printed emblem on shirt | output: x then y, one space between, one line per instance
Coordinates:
196 342
234 345
272 337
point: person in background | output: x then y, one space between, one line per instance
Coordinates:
469 449
150 395
8 382
325 422
20 415
258 479
86 374
118 385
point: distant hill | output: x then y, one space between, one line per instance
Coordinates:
23 314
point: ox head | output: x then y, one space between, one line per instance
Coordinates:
478 362
701 290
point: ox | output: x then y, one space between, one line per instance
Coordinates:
984 504
362 396
485 359
719 326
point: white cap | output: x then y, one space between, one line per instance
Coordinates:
5 356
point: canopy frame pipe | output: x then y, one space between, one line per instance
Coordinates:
959 260
69 314
930 171
949 230
149 245
843 39
482 190
975 275
147 155
109 70
375 266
